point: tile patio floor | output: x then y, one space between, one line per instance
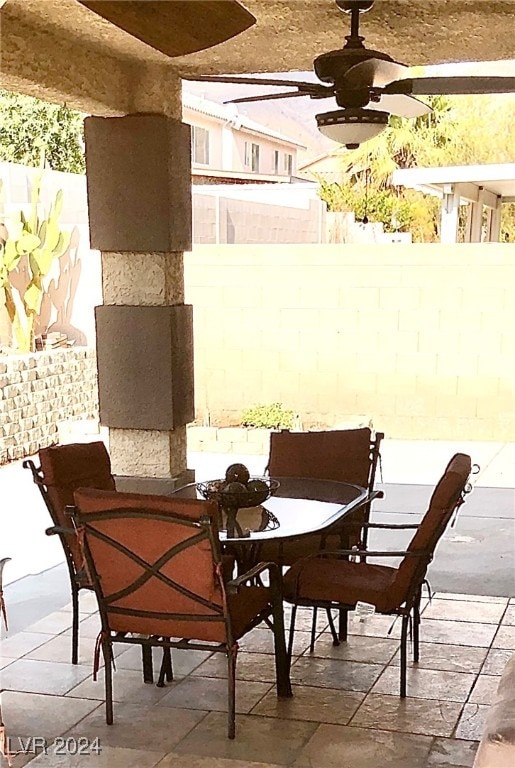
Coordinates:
345 711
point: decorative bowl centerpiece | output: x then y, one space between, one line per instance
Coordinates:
239 491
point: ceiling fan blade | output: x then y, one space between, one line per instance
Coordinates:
401 105
237 80
452 86
267 97
375 72
176 27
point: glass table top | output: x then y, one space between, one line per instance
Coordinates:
299 506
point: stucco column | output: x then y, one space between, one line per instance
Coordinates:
139 192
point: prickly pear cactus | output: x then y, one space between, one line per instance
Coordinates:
41 241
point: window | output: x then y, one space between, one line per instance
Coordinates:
288 164
276 161
251 159
200 145
255 158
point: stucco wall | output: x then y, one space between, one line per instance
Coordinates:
418 338
38 391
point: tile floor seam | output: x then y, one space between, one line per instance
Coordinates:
250 712
95 709
458 723
351 718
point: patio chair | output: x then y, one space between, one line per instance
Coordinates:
158 575
347 455
330 580
63 469
5 751
3 610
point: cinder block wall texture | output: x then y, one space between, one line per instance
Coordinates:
37 391
228 220
418 338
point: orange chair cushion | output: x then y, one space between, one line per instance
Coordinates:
68 467
385 587
244 607
341 581
341 455
148 526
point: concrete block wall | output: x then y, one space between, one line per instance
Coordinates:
420 338
233 221
238 440
38 391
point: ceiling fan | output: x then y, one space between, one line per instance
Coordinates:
175 27
368 86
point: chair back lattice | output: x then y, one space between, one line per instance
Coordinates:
447 497
348 455
155 563
64 469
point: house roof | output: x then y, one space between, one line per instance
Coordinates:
229 114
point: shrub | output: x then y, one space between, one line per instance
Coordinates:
272 416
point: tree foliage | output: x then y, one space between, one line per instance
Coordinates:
464 130
32 129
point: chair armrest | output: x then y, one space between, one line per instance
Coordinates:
394 526
367 553
234 584
58 529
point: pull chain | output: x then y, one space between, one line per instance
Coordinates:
367 174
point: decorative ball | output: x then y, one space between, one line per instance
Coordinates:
234 488
257 486
237 473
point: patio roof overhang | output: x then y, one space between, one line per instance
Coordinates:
479 186
60 50
495 181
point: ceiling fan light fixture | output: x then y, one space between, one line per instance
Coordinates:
352 126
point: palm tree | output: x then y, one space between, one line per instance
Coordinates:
404 144
460 130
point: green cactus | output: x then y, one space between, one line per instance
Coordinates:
41 241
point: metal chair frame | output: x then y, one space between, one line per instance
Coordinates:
5 751
205 530
3 611
340 528
375 457
409 611
77 579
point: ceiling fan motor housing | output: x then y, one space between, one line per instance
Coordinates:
331 67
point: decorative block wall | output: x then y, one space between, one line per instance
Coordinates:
419 339
37 391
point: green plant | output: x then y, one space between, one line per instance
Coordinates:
31 127
272 416
40 241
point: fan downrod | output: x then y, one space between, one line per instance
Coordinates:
354 7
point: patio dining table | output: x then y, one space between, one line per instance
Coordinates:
299 507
